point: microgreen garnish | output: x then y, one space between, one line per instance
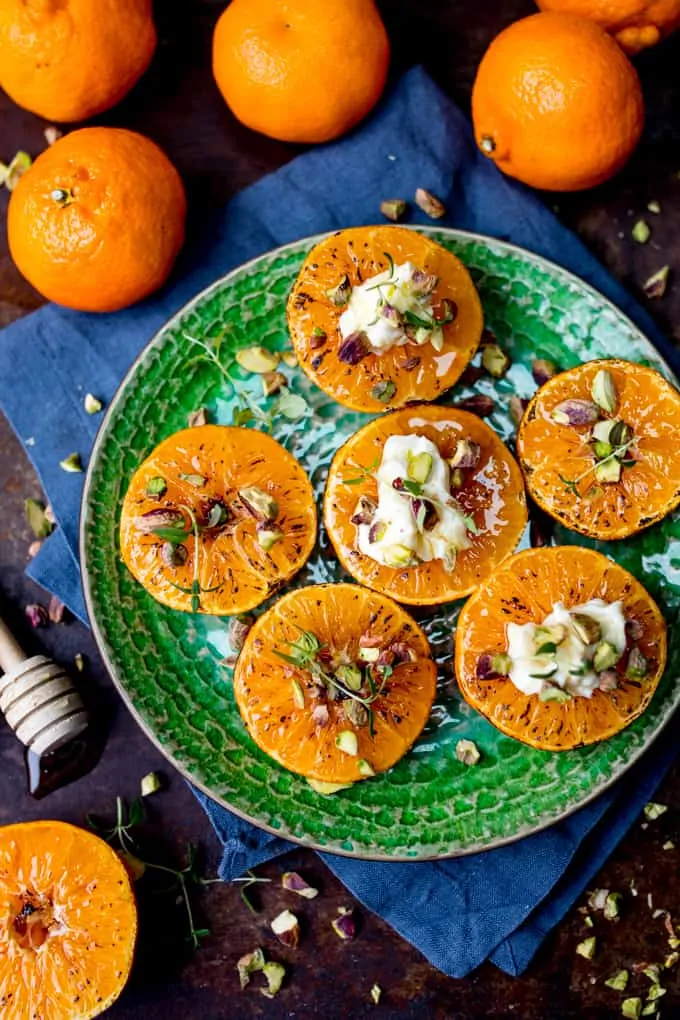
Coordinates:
365 473
571 484
249 880
120 837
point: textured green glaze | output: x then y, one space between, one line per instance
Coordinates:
167 664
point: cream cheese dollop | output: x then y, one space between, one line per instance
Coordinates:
570 666
397 535
376 309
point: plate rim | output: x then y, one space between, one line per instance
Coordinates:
100 639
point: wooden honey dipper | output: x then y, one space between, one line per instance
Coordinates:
38 698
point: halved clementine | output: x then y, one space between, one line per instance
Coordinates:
216 519
335 682
607 473
490 494
69 922
406 371
524 590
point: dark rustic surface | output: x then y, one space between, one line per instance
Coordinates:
178 105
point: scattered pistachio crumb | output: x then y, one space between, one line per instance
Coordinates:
467 752
618 981
652 972
668 845
430 204
37 518
151 783
586 948
92 404
671 960
274 973
588 921
674 942
654 206
611 906
79 661
655 992
376 992
633 888
653 810
655 285
9 175
72 464
641 232
649 1010
631 1008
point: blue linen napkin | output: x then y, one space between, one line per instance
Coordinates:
496 905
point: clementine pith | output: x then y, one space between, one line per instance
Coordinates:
635 24
68 60
556 103
300 70
98 220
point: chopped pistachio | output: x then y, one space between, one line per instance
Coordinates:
631 1008
16 169
655 992
608 470
393 209
495 361
655 285
605 656
603 391
195 481
272 382
365 769
249 964
368 653
652 972
346 741
586 628
611 905
430 204
399 556
376 992
197 418
419 468
557 694
292 882
350 676
456 479
72 464
79 661
36 615
671 960
618 981
37 521
151 783
356 713
588 921
274 973
637 667
298 693
467 752
344 924
257 359
652 810
668 845
602 450
654 207
92 404
465 455
651 1009
52 134
575 412
259 503
319 786
384 391
156 486
289 358
641 232
587 947
340 294
267 536
673 942
286 927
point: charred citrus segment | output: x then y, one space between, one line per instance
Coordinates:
488 491
69 922
598 446
525 589
216 519
347 367
335 682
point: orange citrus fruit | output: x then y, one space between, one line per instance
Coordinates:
69 923
556 103
604 473
300 70
68 60
525 589
635 24
356 695
97 221
254 512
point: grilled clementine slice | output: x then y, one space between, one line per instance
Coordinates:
491 495
525 589
402 373
250 503
295 654
69 923
560 463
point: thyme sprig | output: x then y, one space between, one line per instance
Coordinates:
120 837
305 652
196 589
571 484
249 880
364 473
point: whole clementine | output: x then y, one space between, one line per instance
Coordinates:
68 60
300 70
635 24
556 103
96 223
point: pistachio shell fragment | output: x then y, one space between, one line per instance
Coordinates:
430 204
257 359
91 404
603 391
393 209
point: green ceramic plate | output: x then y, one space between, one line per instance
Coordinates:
167 664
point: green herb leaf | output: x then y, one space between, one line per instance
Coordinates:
549 648
175 535
291 405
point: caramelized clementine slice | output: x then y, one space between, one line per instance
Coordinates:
525 589
607 470
69 922
217 519
335 682
489 492
345 366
